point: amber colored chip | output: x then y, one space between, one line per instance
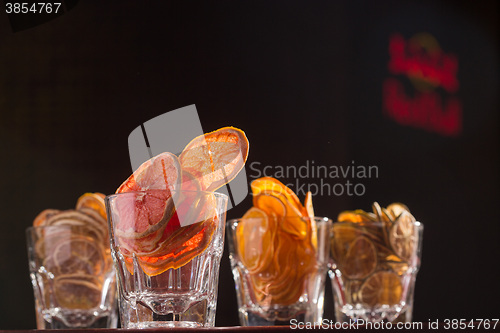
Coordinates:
381 288
356 216
255 236
308 205
395 209
79 255
94 201
215 158
343 236
269 184
77 292
403 236
41 218
361 259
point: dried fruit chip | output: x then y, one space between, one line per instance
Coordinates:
79 255
382 288
361 259
395 209
94 201
356 216
41 218
162 172
77 292
403 236
216 157
255 236
343 236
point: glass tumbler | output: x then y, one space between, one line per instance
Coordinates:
288 286
73 278
167 247
373 269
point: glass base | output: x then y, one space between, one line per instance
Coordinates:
57 319
199 314
272 317
384 313
164 324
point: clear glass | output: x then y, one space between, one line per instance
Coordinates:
373 271
163 280
262 310
73 278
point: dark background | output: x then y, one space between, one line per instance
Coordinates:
302 79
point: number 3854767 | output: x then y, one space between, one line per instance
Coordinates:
35 8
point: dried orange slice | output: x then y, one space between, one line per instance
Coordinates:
310 213
270 204
76 218
293 215
79 255
187 244
216 157
382 288
162 172
41 218
255 236
403 236
395 209
94 201
269 184
77 292
361 259
356 216
343 236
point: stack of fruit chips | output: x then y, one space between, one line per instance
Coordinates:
165 215
78 260
276 242
374 252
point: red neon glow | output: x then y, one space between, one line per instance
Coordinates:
424 110
421 58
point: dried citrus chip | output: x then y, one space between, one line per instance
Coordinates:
395 209
403 236
94 201
269 203
41 218
356 216
79 255
77 292
162 172
343 236
187 243
141 214
310 213
216 157
382 288
361 259
291 221
269 184
255 237
76 218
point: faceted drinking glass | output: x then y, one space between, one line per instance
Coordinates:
73 278
373 269
292 286
167 248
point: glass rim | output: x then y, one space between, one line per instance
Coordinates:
216 194
322 219
61 226
418 224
